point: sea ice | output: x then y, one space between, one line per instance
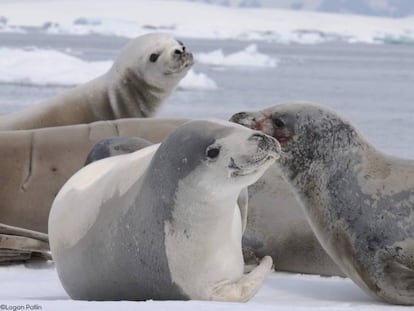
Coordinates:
249 57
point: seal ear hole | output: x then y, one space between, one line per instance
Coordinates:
153 57
213 152
278 122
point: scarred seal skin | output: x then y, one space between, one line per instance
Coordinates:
36 163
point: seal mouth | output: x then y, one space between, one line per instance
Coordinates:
268 149
252 167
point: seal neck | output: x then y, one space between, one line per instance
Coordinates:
132 96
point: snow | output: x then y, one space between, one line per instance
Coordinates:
38 284
249 57
197 81
49 67
131 18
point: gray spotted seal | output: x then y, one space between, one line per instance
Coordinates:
359 201
144 74
176 230
277 225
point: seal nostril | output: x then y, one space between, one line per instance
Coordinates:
265 142
257 136
238 116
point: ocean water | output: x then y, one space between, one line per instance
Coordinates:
372 85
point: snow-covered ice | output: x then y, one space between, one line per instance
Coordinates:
249 57
131 18
197 81
50 67
39 285
47 67
32 66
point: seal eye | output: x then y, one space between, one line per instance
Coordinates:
153 57
279 123
213 152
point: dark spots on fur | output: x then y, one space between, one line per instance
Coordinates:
373 242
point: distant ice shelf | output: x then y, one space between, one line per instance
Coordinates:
130 18
249 57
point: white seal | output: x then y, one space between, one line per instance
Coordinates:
144 74
162 222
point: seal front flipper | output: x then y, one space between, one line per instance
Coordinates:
113 146
245 288
398 274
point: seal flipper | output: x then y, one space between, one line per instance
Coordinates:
113 146
245 288
401 276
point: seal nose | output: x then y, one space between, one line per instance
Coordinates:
236 118
267 143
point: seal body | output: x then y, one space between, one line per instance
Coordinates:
277 225
162 222
359 201
144 74
36 163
